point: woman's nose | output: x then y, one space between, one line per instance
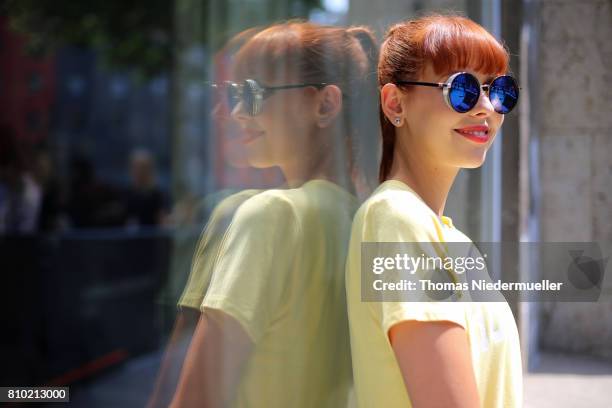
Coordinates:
483 107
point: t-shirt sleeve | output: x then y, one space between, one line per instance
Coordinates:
208 246
201 266
254 263
403 220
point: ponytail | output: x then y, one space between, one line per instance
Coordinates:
363 105
388 146
368 44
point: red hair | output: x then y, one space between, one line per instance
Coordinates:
308 52
449 43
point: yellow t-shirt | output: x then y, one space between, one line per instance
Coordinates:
280 273
208 247
395 213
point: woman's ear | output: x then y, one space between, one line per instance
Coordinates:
329 105
391 102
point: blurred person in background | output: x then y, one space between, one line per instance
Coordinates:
53 207
92 203
145 203
20 194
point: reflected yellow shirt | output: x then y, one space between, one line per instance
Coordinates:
280 273
207 248
395 213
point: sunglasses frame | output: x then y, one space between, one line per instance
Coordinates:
446 87
259 92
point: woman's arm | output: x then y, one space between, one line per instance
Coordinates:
212 367
173 358
435 360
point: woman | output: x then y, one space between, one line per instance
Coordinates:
273 330
436 119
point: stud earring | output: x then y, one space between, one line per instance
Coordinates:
397 121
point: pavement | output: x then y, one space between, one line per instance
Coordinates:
561 380
558 380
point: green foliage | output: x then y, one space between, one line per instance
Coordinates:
131 33
140 34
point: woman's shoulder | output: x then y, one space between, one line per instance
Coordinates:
394 199
394 212
268 204
225 202
313 195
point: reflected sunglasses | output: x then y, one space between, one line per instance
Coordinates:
252 94
462 91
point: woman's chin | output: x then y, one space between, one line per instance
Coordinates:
474 162
259 162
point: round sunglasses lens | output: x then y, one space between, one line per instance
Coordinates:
503 94
464 92
248 97
252 97
233 95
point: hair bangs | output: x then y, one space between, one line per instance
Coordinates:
464 44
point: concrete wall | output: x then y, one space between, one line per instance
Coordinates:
575 108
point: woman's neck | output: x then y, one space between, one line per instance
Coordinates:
430 181
325 163
307 169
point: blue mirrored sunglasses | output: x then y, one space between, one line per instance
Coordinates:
462 90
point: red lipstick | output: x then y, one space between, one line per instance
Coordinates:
476 133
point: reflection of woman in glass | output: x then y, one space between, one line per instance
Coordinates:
444 94
273 332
